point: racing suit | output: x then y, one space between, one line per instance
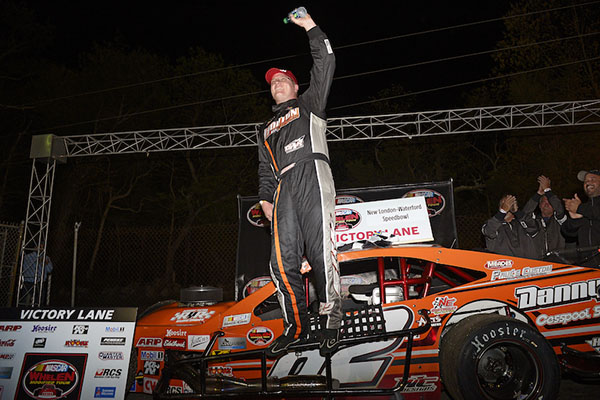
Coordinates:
549 237
586 229
294 174
514 238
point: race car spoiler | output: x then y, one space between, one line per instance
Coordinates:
192 370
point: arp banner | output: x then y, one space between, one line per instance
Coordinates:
254 234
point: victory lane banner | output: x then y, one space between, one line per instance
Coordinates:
406 218
65 353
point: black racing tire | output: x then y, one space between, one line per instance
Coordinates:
494 357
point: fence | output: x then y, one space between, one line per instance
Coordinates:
132 266
10 244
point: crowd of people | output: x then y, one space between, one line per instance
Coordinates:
548 227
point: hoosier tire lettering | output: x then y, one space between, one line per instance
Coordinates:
480 341
490 356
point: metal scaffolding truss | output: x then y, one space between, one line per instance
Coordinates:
35 236
404 125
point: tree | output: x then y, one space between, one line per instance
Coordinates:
546 56
22 40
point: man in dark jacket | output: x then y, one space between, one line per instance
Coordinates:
510 231
297 195
584 218
549 219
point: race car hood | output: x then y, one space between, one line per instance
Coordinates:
184 315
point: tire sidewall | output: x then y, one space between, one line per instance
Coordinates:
486 332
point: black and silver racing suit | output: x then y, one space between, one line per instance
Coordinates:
294 175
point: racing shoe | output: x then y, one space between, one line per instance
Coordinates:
329 342
281 344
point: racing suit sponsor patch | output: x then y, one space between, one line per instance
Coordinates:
294 145
280 122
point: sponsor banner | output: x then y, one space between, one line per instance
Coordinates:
70 314
232 343
175 343
531 296
595 343
113 341
80 329
149 342
526 272
238 319
152 355
568 317
443 305
151 368
105 392
51 376
108 373
10 328
260 336
498 264
6 372
148 384
406 218
78 353
175 333
193 315
254 244
420 384
197 342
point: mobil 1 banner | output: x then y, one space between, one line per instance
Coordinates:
254 235
65 353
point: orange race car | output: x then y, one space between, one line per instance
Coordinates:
419 319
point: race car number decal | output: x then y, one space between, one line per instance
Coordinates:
363 364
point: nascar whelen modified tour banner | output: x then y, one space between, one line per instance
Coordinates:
65 353
254 240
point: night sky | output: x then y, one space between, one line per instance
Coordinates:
254 32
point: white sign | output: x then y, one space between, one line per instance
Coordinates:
407 219
51 353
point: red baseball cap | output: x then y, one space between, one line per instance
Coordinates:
270 73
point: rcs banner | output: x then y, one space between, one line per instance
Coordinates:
254 240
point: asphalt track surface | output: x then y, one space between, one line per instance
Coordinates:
569 390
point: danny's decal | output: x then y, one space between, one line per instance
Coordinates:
533 296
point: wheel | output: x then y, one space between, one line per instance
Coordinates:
495 357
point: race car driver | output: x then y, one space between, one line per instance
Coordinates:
297 195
